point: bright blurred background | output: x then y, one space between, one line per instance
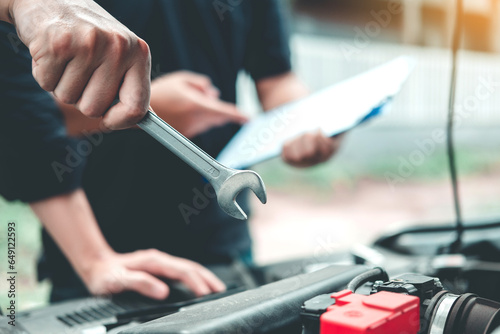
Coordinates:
349 200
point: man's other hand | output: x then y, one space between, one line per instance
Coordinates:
190 103
139 272
310 149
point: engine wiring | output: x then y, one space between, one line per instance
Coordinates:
456 246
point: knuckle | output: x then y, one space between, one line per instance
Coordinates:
46 84
65 97
89 42
62 43
205 80
197 266
181 73
119 44
153 252
134 113
143 47
92 111
142 252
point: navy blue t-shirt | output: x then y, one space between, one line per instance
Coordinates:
33 141
136 184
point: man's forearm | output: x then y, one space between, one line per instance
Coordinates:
280 89
70 221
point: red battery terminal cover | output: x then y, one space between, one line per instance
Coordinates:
380 313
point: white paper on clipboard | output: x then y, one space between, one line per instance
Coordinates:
333 110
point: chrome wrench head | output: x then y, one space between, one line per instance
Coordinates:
227 182
233 185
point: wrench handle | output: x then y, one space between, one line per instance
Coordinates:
180 146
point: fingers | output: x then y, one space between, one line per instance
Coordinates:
134 271
113 276
72 82
48 72
144 284
192 279
196 80
309 149
212 92
190 103
196 277
214 283
209 113
221 111
201 82
134 95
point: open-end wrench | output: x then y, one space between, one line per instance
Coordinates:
227 182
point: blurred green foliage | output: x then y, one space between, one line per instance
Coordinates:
29 293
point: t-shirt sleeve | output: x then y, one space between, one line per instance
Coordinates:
37 158
268 50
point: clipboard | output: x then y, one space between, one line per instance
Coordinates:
333 110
